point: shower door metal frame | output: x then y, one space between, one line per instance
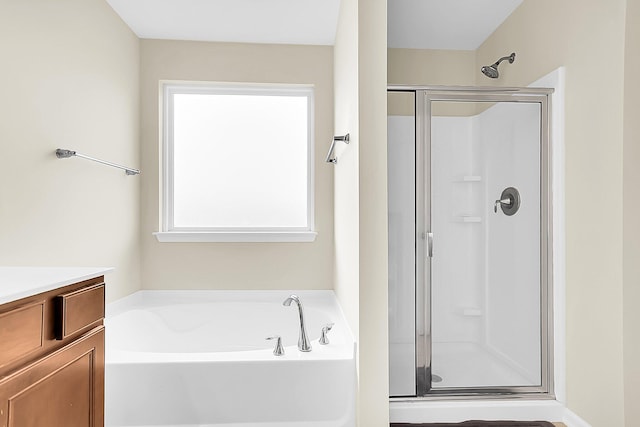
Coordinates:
424 96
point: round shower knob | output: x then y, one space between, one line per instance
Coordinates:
509 201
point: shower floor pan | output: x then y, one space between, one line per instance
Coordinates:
464 364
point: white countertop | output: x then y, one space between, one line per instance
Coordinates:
22 282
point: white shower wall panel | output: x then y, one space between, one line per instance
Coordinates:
456 222
401 200
401 181
509 135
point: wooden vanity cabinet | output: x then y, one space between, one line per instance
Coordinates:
52 358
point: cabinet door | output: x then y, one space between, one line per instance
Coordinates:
62 389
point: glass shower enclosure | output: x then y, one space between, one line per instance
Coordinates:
469 242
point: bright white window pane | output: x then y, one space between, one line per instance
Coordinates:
240 161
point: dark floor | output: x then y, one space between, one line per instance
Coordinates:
480 424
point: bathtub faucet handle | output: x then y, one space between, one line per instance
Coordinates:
279 350
324 340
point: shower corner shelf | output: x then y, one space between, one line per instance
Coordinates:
467 219
472 312
468 178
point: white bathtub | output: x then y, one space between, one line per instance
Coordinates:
200 358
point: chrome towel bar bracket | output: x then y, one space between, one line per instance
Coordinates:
343 138
65 154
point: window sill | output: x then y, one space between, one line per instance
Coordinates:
235 236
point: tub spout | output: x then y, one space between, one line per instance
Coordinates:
303 340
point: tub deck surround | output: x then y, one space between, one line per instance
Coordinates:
22 282
201 358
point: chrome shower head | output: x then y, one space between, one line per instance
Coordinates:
491 71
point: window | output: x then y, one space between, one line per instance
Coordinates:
237 163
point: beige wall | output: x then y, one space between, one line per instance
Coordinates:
631 214
361 197
546 34
236 265
70 73
430 67
374 320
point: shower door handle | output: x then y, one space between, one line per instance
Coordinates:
430 245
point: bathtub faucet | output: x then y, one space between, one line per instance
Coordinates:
303 340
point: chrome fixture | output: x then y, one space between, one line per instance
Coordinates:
509 201
65 154
491 71
303 341
501 203
279 350
324 340
343 138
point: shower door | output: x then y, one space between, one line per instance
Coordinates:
475 264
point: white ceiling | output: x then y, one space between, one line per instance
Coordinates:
246 21
418 24
445 24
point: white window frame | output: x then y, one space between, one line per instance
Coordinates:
170 233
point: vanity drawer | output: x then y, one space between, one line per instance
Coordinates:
78 309
21 331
